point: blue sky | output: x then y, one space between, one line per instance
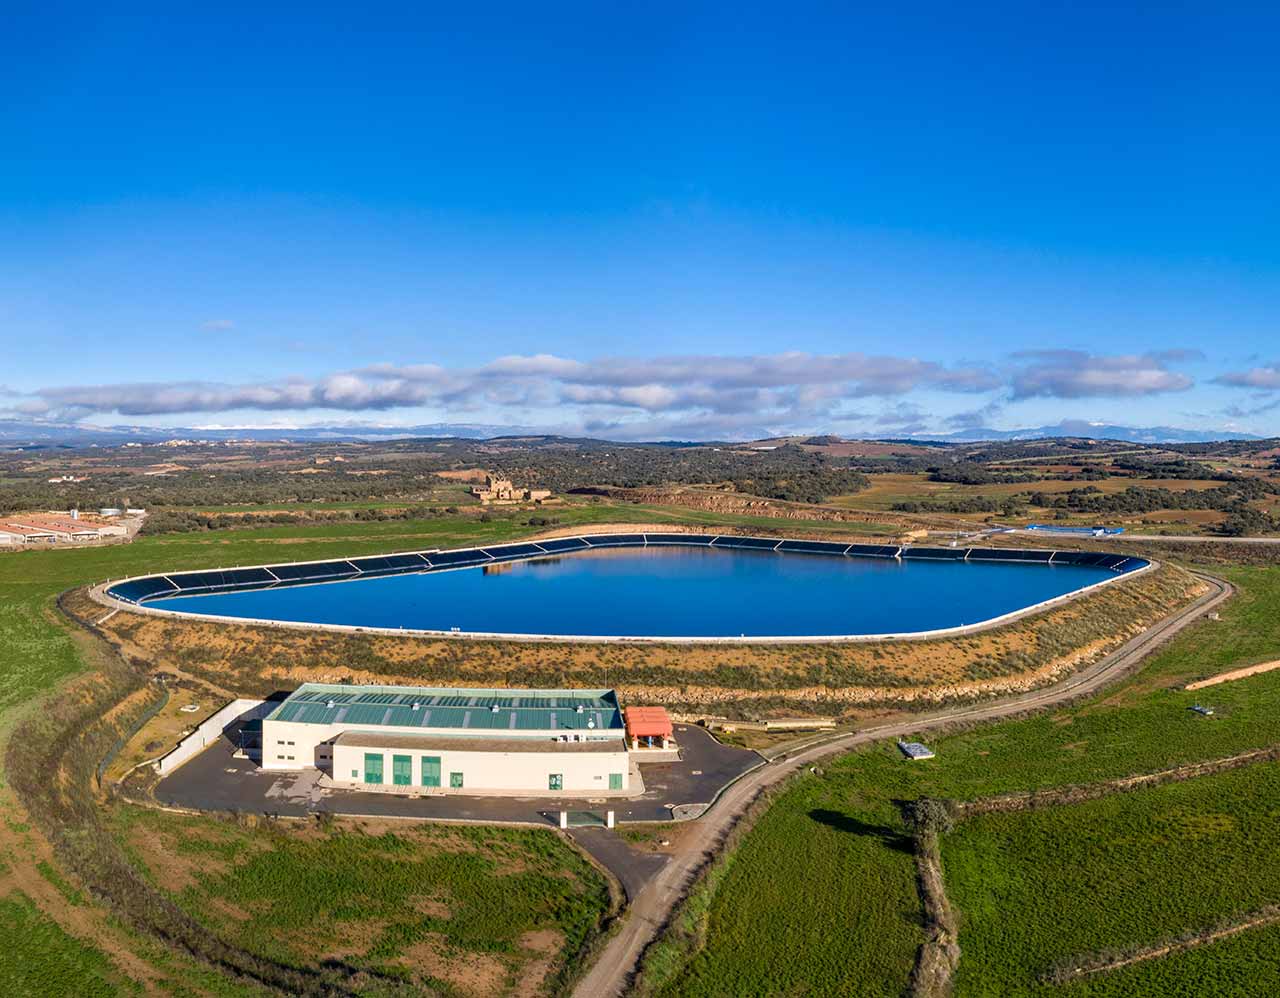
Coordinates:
669 221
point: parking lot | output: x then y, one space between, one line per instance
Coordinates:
216 781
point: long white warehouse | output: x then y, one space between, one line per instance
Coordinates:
449 740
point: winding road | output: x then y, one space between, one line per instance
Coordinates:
653 904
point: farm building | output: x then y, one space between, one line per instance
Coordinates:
16 533
449 739
30 528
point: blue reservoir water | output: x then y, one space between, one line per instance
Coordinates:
669 592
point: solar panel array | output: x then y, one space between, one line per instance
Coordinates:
463 710
231 580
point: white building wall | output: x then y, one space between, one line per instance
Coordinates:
580 772
308 743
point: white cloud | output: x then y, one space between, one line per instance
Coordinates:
1266 378
218 325
1071 374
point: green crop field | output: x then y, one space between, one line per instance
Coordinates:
808 867
414 904
1033 888
838 882
1243 966
38 958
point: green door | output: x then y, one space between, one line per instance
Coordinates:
555 781
455 781
373 767
615 781
431 771
402 770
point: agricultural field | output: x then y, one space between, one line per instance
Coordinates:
1242 966
819 899
1039 889
888 490
39 958
1143 726
457 910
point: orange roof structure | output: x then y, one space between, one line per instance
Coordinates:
644 722
55 524
24 530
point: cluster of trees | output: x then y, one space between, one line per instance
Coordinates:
973 473
1233 498
1166 467
787 472
962 504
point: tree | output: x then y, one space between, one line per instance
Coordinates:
927 816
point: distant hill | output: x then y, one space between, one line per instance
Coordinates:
1081 428
16 433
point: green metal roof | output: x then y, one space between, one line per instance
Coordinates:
452 708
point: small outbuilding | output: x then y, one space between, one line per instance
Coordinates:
915 750
648 727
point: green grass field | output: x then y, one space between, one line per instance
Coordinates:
39 959
810 866
408 904
1243 966
1034 888
843 832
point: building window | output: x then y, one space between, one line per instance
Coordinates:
431 771
615 781
455 781
402 770
373 767
555 781
355 774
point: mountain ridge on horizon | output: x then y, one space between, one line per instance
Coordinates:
22 433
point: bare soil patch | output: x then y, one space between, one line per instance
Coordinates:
1226 677
473 973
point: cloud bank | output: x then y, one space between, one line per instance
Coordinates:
696 396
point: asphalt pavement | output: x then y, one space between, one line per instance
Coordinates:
216 781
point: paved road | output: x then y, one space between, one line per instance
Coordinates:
632 867
215 781
654 903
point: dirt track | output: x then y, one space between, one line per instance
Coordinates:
1226 677
653 905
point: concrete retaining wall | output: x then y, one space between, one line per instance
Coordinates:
211 729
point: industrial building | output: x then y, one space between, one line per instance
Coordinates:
450 740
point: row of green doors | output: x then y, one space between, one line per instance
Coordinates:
402 771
